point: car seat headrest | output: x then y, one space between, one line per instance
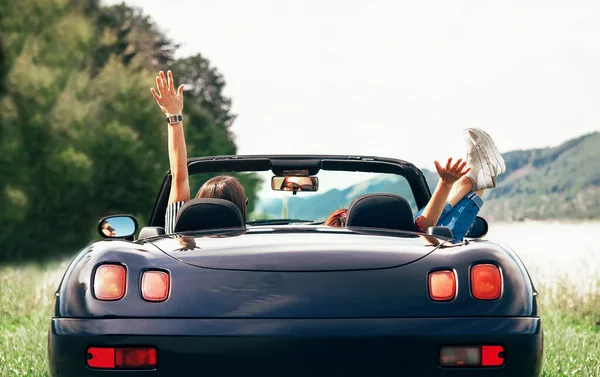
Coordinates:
388 211
205 213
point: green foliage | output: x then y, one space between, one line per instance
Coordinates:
131 36
26 298
80 134
206 84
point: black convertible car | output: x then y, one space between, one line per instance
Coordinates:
284 295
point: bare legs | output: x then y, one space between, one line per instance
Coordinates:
464 198
460 189
464 207
430 215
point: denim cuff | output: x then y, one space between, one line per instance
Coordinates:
475 199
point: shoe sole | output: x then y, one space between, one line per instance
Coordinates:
490 182
497 153
489 144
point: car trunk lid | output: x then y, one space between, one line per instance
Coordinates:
296 251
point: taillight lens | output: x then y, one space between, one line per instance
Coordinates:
135 358
442 285
122 358
492 356
109 282
460 356
101 358
486 282
471 356
155 285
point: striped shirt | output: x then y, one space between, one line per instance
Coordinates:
171 215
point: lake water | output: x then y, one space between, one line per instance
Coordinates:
554 250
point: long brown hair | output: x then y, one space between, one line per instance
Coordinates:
225 187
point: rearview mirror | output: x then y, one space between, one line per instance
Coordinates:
119 226
295 183
479 229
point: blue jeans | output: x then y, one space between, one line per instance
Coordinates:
459 218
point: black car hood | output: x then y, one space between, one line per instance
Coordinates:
295 250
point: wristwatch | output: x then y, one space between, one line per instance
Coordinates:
174 119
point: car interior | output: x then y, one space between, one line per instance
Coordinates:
381 210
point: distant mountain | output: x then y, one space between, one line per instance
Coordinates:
312 208
561 182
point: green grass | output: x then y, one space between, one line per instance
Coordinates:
570 314
571 342
571 346
26 297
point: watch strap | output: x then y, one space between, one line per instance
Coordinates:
174 119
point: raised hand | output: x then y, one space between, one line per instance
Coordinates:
451 173
169 100
187 243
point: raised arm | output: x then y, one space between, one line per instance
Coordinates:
171 103
448 175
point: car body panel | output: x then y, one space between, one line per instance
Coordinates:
391 291
296 300
300 347
266 249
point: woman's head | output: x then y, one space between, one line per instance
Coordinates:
297 184
225 187
108 230
338 218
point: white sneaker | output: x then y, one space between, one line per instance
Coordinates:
482 159
482 138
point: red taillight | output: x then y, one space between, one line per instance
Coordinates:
109 282
102 358
442 285
486 282
155 285
121 358
135 358
471 356
492 356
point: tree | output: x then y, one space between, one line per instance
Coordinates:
126 32
209 118
205 84
81 136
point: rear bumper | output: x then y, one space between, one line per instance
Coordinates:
297 347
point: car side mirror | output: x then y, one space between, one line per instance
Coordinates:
479 229
118 226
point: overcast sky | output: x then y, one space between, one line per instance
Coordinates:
395 78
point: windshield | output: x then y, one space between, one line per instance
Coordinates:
336 190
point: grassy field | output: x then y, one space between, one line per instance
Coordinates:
572 337
26 297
